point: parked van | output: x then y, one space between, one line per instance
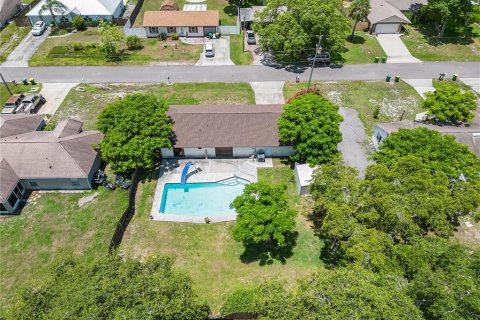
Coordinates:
209 50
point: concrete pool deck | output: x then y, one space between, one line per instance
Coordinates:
212 170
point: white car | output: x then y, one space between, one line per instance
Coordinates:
209 50
39 28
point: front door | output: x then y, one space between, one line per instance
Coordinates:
224 152
179 152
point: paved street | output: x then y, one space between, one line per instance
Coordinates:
152 74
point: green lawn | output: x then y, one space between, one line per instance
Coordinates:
459 84
87 105
366 96
424 44
82 49
20 88
228 12
209 254
52 225
237 54
10 37
363 48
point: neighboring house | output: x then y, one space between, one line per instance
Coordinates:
169 5
226 131
386 16
184 23
467 135
8 8
62 159
91 10
248 15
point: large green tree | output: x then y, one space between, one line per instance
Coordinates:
112 288
449 103
290 28
311 124
55 8
444 13
111 36
359 10
263 215
135 129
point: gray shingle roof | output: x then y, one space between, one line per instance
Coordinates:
382 10
407 5
14 124
9 180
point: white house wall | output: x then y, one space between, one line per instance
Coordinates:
284 151
182 31
167 153
199 152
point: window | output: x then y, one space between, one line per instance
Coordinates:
63 19
75 182
171 29
153 29
12 200
33 183
192 29
18 190
3 208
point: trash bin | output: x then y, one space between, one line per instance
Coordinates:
454 77
384 59
32 81
376 59
397 78
388 77
25 81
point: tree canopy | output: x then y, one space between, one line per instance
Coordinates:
135 129
449 103
110 38
112 288
290 28
311 124
448 13
359 10
263 214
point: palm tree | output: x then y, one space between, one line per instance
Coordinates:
359 10
54 6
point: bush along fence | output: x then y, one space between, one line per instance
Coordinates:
127 214
20 19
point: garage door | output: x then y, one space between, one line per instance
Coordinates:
207 30
387 28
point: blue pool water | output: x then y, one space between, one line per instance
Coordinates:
201 199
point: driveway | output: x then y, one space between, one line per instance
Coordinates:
222 54
354 141
422 86
268 92
395 49
25 50
472 82
54 93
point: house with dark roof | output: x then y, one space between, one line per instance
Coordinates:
62 159
387 16
184 23
226 131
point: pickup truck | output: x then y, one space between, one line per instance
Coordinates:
323 57
31 101
13 104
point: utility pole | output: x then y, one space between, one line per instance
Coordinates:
243 28
318 48
6 84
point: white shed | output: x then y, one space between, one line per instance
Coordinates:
304 177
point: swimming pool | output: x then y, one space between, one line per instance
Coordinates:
201 199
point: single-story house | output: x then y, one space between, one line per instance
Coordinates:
467 135
226 131
8 9
408 5
386 17
62 159
247 15
92 10
185 23
169 5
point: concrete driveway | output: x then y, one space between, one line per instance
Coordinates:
268 92
354 141
422 86
222 54
472 82
25 50
395 49
54 93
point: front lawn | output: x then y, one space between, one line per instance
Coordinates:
424 44
10 37
87 104
82 49
228 12
392 99
51 226
362 48
237 55
208 253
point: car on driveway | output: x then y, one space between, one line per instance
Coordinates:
209 50
39 28
31 101
251 38
323 57
13 104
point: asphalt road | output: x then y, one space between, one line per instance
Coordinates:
153 74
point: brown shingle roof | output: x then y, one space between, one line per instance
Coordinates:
168 5
209 18
225 125
9 180
67 128
15 124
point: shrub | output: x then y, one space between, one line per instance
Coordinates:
77 46
162 36
79 23
90 45
174 36
134 42
376 112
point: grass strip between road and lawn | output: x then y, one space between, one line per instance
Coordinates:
237 53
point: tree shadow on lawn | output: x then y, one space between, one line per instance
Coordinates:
429 32
356 39
267 253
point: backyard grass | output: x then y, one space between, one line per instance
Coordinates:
228 12
210 255
424 44
10 37
86 105
392 99
237 55
19 88
82 49
52 225
363 48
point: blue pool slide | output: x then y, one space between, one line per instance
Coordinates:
184 172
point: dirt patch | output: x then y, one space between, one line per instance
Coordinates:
468 232
83 201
